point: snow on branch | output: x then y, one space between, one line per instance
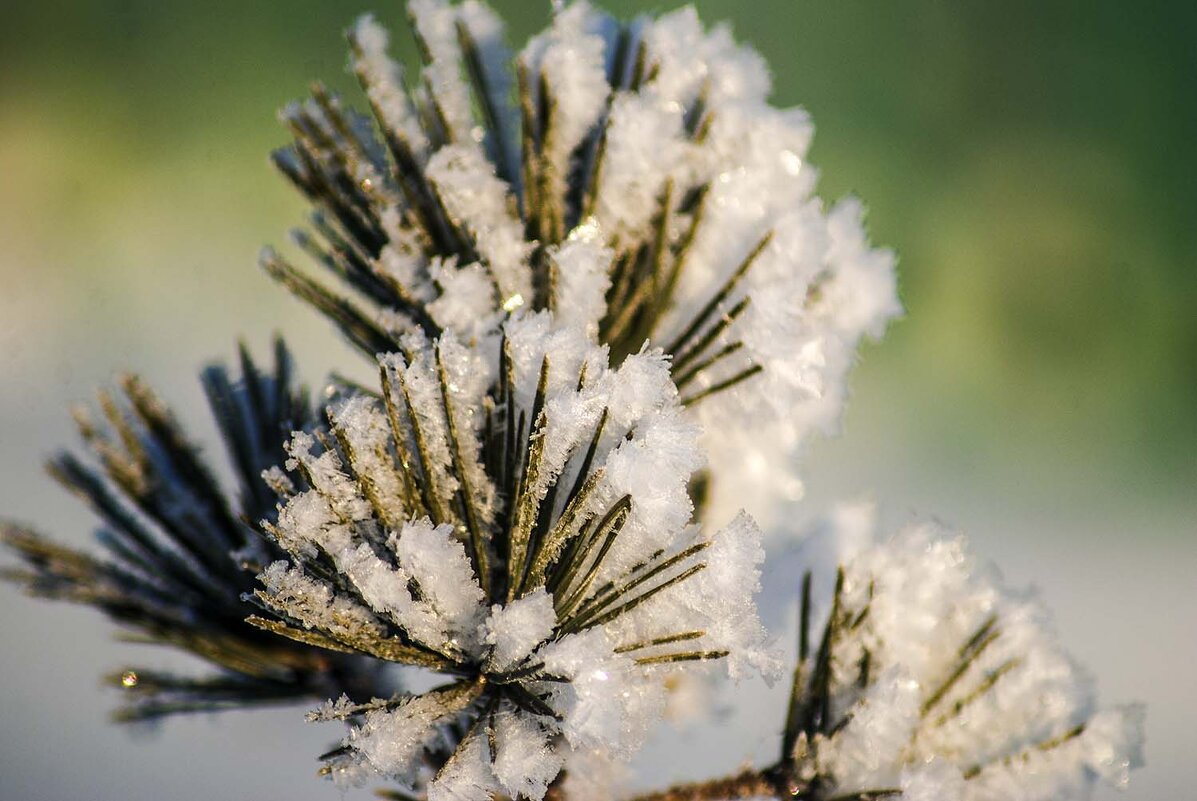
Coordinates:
514 515
652 141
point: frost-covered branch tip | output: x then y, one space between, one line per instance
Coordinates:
630 176
176 547
921 677
514 516
933 678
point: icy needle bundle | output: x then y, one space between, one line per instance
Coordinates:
631 177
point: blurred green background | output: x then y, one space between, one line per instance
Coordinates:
1033 163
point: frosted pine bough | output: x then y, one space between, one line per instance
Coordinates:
513 515
572 267
922 677
934 679
174 547
631 177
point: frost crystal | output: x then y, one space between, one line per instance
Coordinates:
514 515
931 680
635 181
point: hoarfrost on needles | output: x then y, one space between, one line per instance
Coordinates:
657 197
943 682
512 514
597 288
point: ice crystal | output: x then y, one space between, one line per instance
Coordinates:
636 181
177 547
932 680
512 514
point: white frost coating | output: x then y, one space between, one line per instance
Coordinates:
392 740
860 297
486 29
644 146
466 305
689 59
403 258
880 727
569 422
384 83
436 22
628 395
815 290
1113 743
350 772
723 594
570 57
514 631
592 774
582 267
687 122
470 370
422 385
608 703
326 474
642 386
855 297
301 520
719 601
531 338
363 424
339 709
1018 720
479 201
754 158
935 781
444 572
653 467
525 760
467 776
577 667
468 374
384 588
313 602
278 481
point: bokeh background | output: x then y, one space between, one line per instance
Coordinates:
1031 161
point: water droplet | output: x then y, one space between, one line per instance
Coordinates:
129 679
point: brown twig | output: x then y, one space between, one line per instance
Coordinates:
748 784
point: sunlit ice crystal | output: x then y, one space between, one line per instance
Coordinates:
513 515
630 176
